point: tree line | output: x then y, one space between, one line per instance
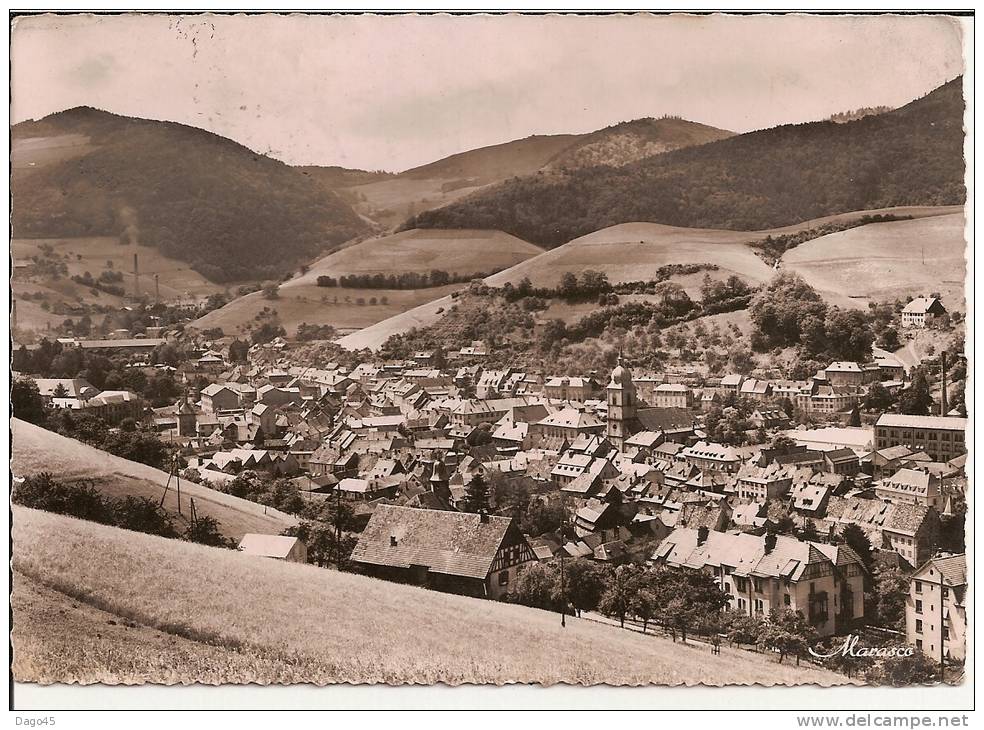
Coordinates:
139 514
403 280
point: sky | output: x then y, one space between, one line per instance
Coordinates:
393 92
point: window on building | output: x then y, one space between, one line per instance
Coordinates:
785 599
918 606
918 626
946 632
504 578
919 644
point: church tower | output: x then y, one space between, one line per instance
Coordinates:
621 405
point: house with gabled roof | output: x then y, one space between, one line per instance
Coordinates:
922 312
457 552
762 572
936 608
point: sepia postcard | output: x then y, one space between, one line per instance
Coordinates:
567 350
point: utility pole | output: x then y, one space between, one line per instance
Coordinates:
338 526
563 588
177 476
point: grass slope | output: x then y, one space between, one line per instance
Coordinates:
177 280
34 449
255 619
462 252
888 260
633 251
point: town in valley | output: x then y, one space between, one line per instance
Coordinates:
618 407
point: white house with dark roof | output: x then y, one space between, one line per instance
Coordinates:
762 572
922 312
280 547
936 608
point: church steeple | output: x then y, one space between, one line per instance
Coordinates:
621 405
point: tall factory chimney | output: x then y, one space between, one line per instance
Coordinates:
136 277
157 288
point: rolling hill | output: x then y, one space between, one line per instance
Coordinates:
135 608
464 253
229 212
34 450
764 179
621 144
634 251
391 201
888 260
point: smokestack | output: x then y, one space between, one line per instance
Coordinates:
157 288
943 406
136 277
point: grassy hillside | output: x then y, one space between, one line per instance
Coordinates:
227 617
462 252
628 142
228 211
633 252
765 179
888 260
34 449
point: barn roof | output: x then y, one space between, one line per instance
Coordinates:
270 546
452 543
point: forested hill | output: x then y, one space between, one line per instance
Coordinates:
230 212
764 179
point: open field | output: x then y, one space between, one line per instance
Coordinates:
461 252
390 202
177 280
306 304
634 251
888 260
302 300
35 449
268 618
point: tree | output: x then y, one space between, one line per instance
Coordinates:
888 339
584 583
904 671
26 402
742 628
143 515
787 632
60 391
916 400
238 351
858 541
568 286
878 398
477 495
271 291
891 589
644 605
779 310
623 582
849 335
205 531
536 586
